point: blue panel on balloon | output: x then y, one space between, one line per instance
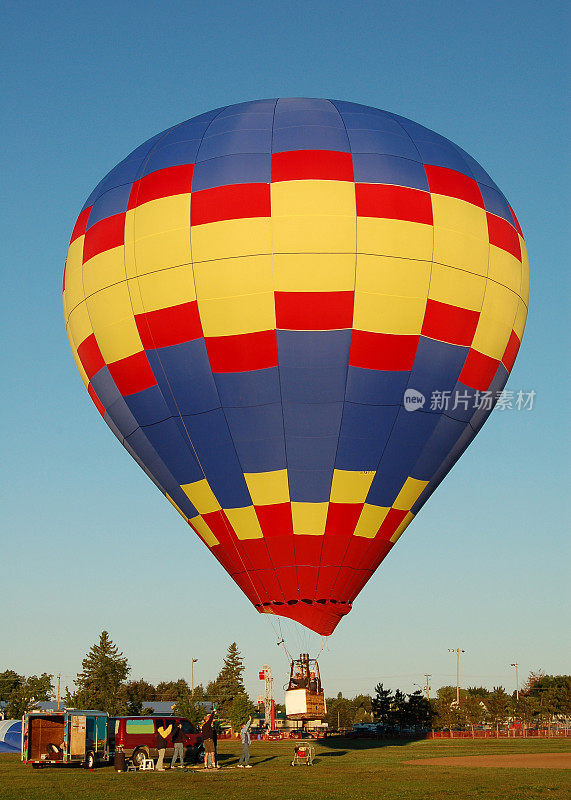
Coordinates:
113 201
496 203
255 422
235 142
376 387
378 121
122 417
313 385
175 450
249 106
141 445
478 172
316 452
252 121
191 129
257 387
310 138
148 406
215 450
383 143
261 455
241 168
463 403
327 117
487 400
375 168
312 419
173 155
436 449
313 348
105 387
436 368
172 367
368 422
309 486
443 155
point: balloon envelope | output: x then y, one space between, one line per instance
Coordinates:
296 315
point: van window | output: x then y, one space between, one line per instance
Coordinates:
138 726
187 726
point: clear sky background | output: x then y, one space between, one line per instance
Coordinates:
88 543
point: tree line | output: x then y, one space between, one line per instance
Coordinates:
103 683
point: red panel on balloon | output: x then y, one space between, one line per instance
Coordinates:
307 581
391 523
275 520
243 352
357 551
307 548
314 311
511 351
90 356
162 183
334 548
384 351
81 224
132 374
257 552
342 518
104 235
287 576
230 202
503 235
393 202
478 370
451 183
269 581
448 323
169 326
324 165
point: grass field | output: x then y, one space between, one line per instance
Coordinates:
343 769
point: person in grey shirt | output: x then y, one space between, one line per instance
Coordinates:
244 762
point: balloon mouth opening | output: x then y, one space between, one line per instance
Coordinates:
320 616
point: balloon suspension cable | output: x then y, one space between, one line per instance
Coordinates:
282 640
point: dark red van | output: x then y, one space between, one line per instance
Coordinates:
137 737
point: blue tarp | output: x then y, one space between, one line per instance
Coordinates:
10 735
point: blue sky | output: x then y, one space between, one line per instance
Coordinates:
88 543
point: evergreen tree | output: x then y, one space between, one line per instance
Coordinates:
9 680
497 705
381 704
419 711
100 684
239 710
135 693
27 693
229 683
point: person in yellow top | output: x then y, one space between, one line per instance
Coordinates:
162 736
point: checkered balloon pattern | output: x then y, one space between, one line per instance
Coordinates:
250 296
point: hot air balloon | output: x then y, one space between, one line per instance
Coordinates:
295 315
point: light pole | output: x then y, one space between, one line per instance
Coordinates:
192 663
516 665
427 676
457 650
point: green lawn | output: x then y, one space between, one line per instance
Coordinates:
343 769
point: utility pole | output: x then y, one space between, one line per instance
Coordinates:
516 665
58 689
457 650
427 687
192 663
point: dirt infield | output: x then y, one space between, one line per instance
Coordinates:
512 761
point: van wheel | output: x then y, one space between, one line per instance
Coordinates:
89 760
138 757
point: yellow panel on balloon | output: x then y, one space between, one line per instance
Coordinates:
168 249
235 315
268 488
350 486
524 290
313 197
314 272
244 522
231 238
104 269
381 313
370 520
403 277
309 518
74 258
170 287
202 529
409 494
79 324
233 276
394 237
111 315
520 318
314 234
165 214
201 496
496 320
460 234
457 287
74 293
402 527
505 269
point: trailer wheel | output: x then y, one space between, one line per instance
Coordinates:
89 760
138 757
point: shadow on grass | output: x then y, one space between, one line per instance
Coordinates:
342 743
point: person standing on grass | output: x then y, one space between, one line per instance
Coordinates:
178 747
244 762
162 735
208 742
